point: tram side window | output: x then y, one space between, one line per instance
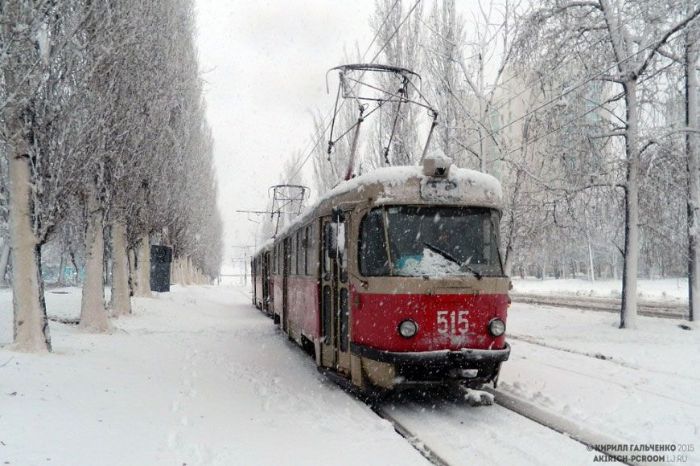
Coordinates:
293 256
277 259
293 260
373 256
326 259
309 249
280 259
280 255
300 252
295 263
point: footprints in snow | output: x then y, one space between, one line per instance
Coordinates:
191 454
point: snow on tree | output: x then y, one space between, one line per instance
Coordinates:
103 129
621 43
398 30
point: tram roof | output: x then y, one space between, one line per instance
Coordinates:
406 185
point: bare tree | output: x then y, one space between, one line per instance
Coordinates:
398 32
605 31
103 126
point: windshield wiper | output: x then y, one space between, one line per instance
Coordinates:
452 258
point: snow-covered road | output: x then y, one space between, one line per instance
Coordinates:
198 376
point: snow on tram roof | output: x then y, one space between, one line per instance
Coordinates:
468 185
461 185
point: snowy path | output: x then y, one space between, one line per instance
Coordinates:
196 377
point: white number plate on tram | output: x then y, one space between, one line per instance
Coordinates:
453 322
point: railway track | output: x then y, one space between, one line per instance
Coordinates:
646 308
424 449
449 431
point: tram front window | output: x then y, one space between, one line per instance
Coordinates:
430 241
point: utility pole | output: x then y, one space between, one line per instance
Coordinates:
244 259
245 268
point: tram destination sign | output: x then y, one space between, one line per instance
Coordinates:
439 190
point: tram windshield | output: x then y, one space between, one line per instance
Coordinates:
430 241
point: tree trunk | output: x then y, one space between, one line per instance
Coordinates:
692 141
180 271
4 259
188 271
120 302
510 239
143 268
31 329
93 315
61 266
628 312
76 271
133 275
173 276
31 326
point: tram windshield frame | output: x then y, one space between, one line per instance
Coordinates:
430 241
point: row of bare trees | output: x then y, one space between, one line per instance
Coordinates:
585 110
105 148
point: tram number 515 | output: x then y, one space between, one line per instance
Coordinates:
452 322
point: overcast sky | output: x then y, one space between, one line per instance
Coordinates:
264 63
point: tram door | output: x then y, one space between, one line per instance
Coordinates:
266 282
334 294
286 251
253 278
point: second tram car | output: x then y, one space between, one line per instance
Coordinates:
394 278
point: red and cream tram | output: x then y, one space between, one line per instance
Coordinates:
394 278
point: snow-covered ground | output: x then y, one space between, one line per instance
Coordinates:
667 289
639 386
198 376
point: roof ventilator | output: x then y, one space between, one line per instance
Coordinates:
438 167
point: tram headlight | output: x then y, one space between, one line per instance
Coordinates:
497 327
408 328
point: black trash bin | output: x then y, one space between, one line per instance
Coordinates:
161 257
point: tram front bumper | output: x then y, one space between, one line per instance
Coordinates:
476 365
